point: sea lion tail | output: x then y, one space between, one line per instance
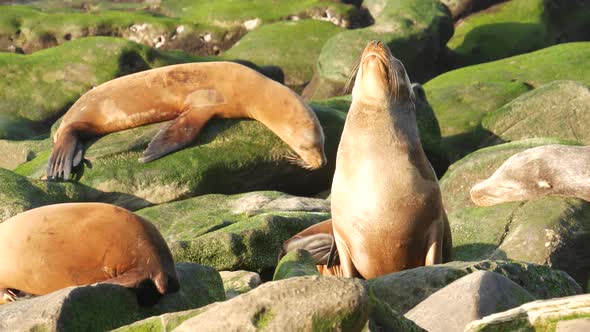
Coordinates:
66 153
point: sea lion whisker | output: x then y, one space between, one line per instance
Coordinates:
353 72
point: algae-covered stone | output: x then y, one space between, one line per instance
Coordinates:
295 304
18 194
36 89
404 290
229 156
236 283
15 153
163 323
293 45
254 12
28 29
552 230
558 109
462 97
383 318
472 297
296 263
103 307
244 231
461 8
564 314
415 31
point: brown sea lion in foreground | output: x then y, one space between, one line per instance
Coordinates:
387 212
545 170
57 246
191 94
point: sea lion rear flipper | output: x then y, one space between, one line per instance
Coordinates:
7 295
177 134
66 153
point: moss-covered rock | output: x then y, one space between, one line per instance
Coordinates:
404 290
103 307
461 8
415 31
516 27
17 152
551 230
297 263
244 231
229 156
558 109
239 282
230 12
26 29
462 97
36 89
564 314
383 318
472 297
321 304
293 45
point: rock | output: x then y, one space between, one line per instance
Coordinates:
304 303
17 152
295 54
225 13
461 98
383 318
162 323
32 30
550 231
237 232
472 297
229 156
103 307
239 282
460 8
404 290
568 314
557 109
296 263
415 31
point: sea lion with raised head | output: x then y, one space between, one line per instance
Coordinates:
190 94
57 246
544 170
387 211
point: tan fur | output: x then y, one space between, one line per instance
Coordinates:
56 246
199 91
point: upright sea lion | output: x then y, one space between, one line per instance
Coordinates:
191 94
537 172
56 246
387 212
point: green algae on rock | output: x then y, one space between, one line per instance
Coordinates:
558 109
296 263
462 97
239 282
404 290
415 31
552 231
229 156
294 46
244 231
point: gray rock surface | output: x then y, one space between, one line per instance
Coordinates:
239 282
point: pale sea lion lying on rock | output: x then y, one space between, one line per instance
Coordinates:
387 211
56 246
545 170
191 94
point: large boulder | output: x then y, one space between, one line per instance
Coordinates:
296 304
552 230
568 314
462 97
31 30
296 263
461 8
103 307
229 156
294 46
244 231
472 297
415 31
404 290
559 109
518 26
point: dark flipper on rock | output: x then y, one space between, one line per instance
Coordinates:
66 153
318 240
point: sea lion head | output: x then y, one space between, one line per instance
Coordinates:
381 77
308 143
523 176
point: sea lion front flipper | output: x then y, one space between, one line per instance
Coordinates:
65 154
177 134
